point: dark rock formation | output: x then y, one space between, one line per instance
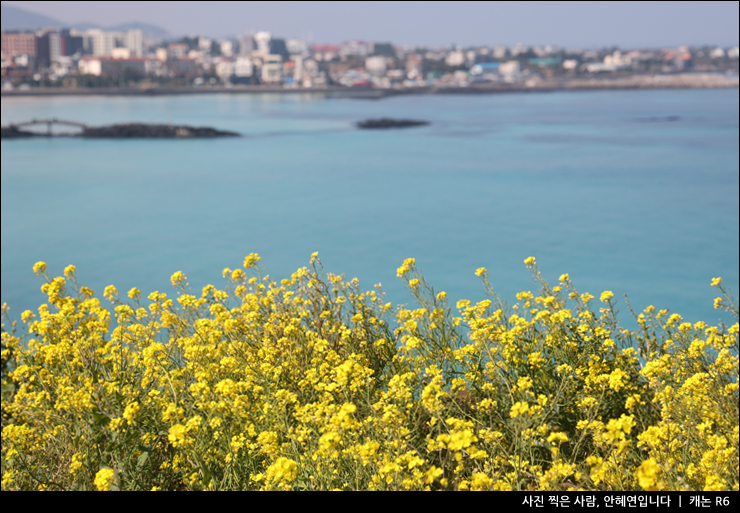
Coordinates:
659 120
12 132
127 131
390 123
140 130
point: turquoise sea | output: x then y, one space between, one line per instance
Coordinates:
630 191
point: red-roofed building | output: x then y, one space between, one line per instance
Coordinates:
325 48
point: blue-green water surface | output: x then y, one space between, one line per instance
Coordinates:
630 191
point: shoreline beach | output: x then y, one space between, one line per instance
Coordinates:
676 81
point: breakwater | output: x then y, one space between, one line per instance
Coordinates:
119 131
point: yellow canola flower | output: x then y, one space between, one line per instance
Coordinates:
110 292
251 260
481 482
103 479
647 475
405 267
462 304
69 270
481 271
39 267
529 260
557 437
519 408
535 359
616 379
76 462
283 471
328 443
177 435
716 281
287 353
524 383
177 279
461 440
134 293
564 277
606 296
131 411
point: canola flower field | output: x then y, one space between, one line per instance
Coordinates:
311 383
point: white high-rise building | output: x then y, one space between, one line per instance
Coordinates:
204 44
262 40
246 45
297 46
272 69
510 71
227 48
99 42
55 46
376 65
134 41
102 42
456 58
243 67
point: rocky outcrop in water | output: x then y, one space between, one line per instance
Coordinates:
126 131
13 132
390 123
140 130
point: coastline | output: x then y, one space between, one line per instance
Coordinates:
677 81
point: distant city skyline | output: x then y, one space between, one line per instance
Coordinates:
564 24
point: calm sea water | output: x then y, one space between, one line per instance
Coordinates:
608 186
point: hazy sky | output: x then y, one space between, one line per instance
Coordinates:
565 24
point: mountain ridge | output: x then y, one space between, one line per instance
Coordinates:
14 18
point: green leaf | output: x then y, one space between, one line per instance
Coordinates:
100 419
142 460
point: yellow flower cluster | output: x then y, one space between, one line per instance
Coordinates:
311 383
103 479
